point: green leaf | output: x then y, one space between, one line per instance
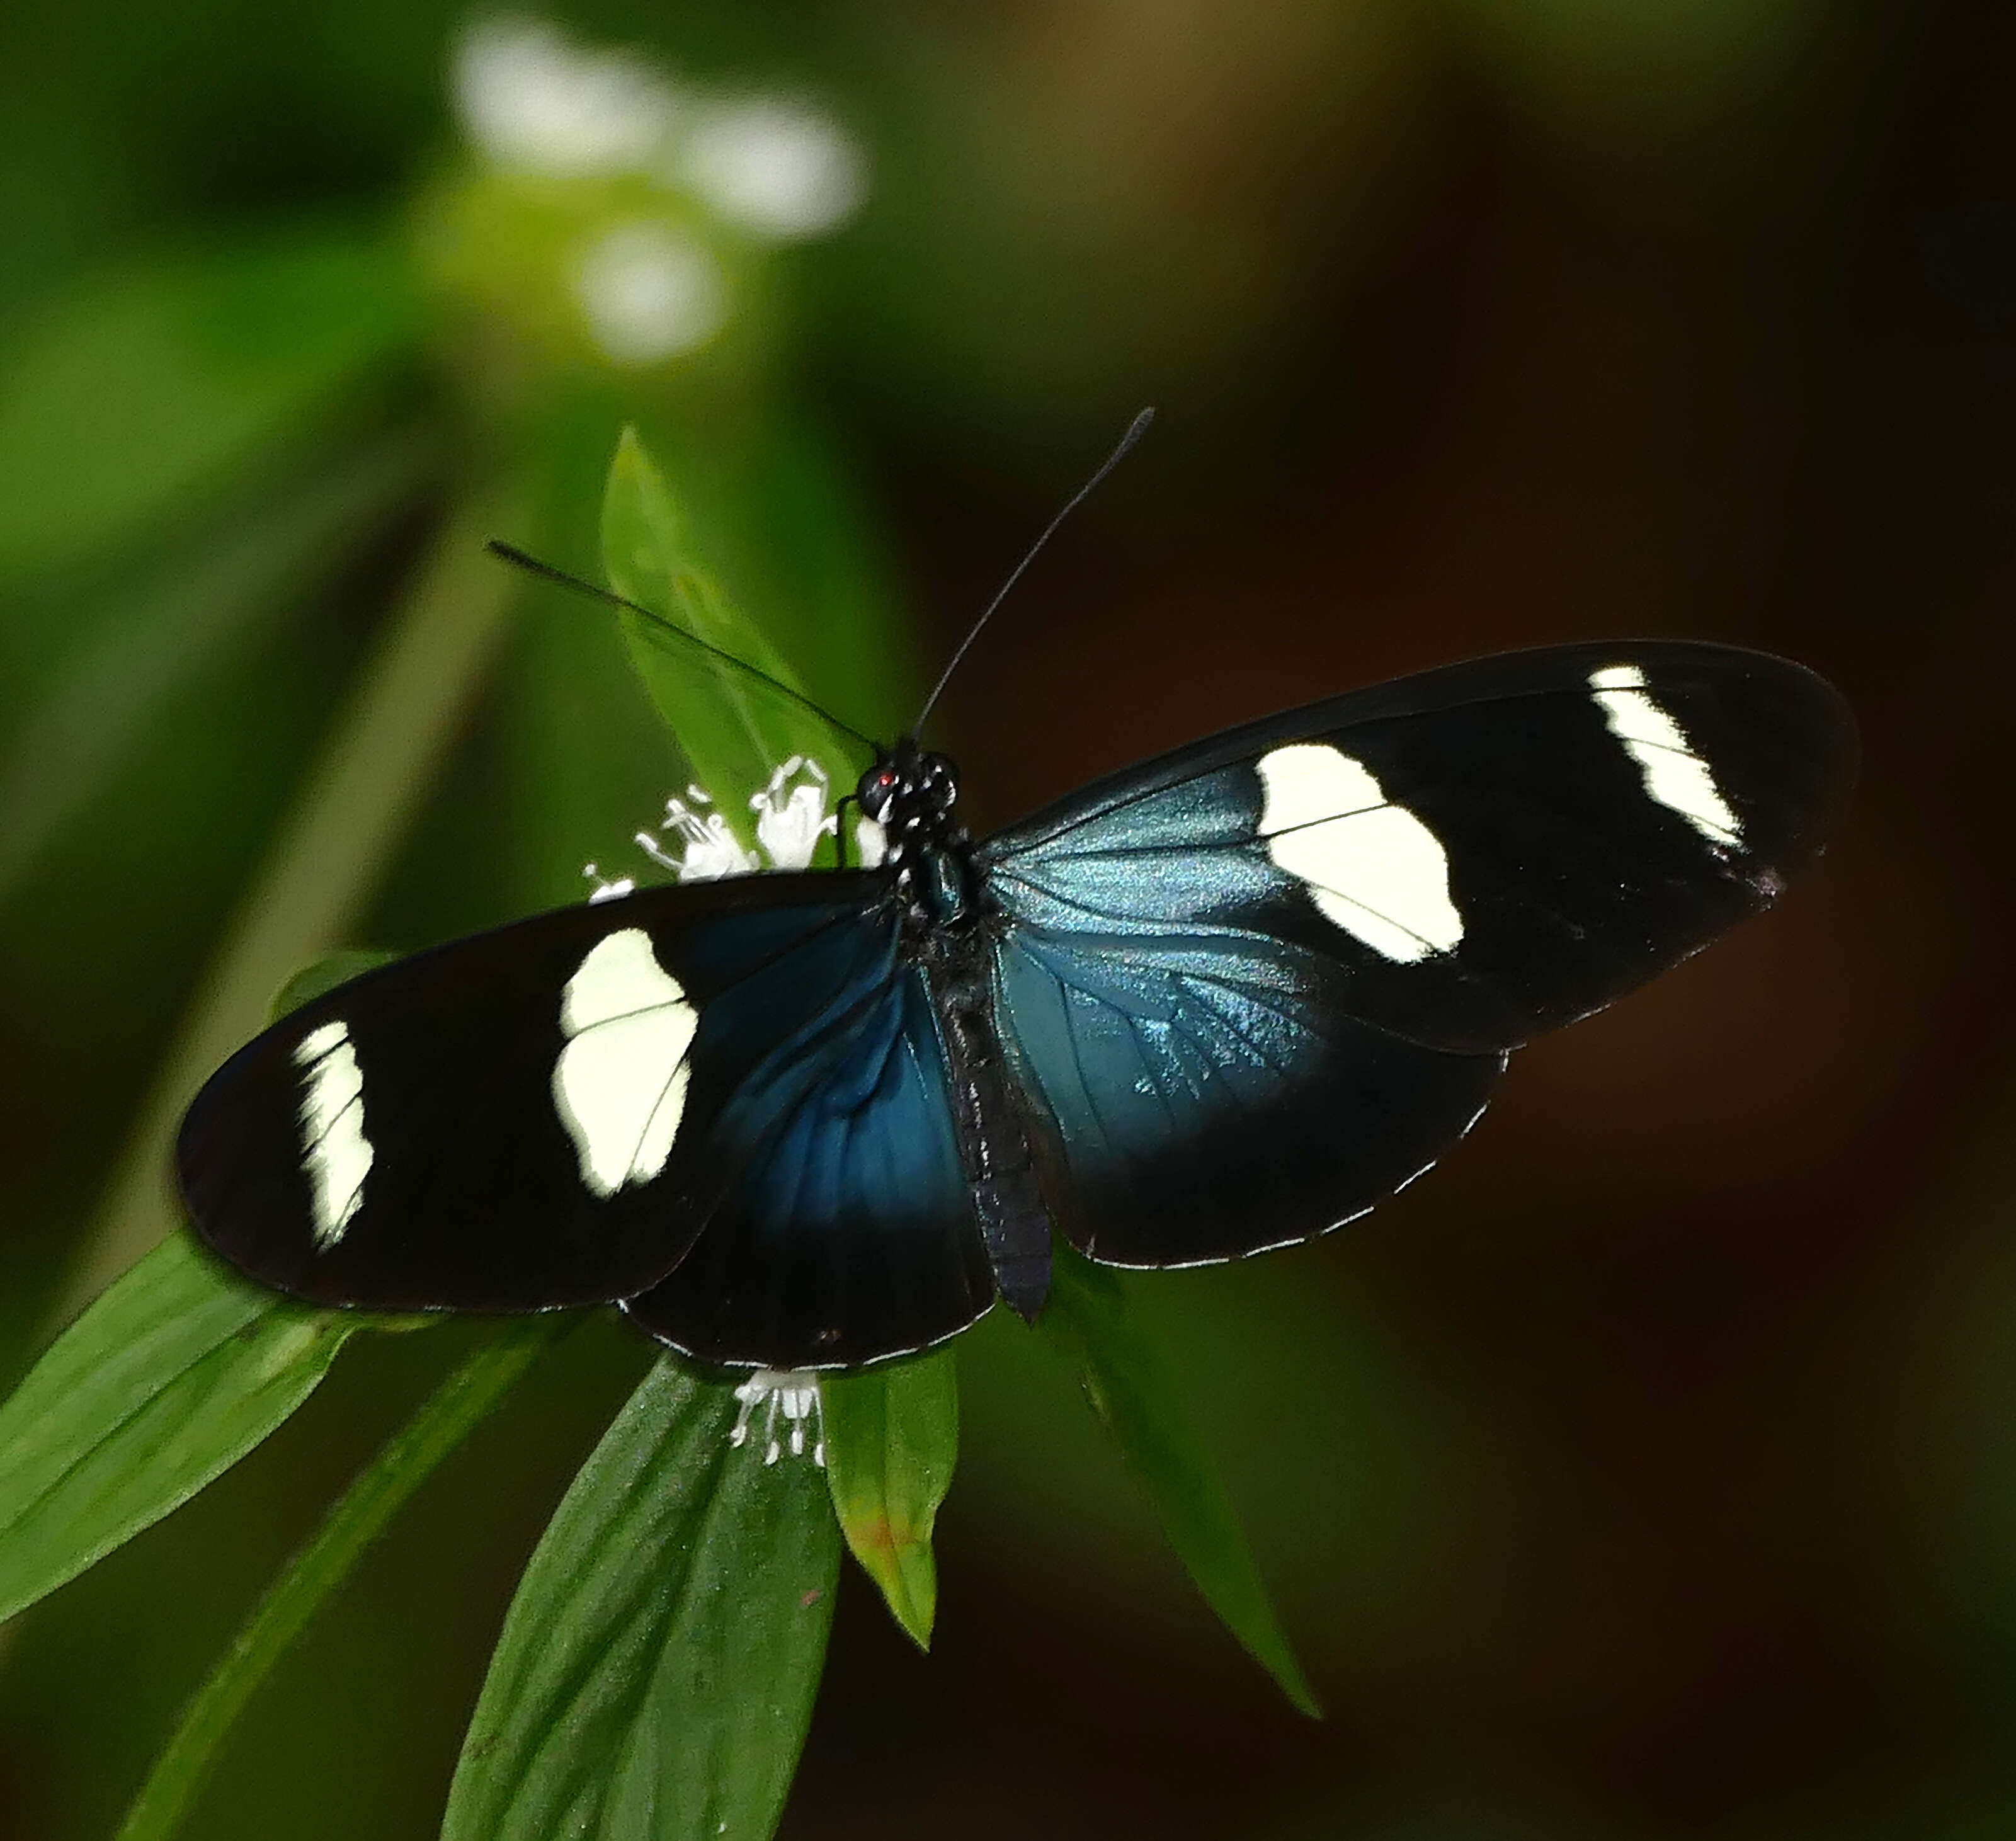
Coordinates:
143 394
734 730
467 1397
775 508
171 1377
324 975
1134 1391
892 1439
655 1673
152 638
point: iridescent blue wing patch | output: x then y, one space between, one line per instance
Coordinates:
848 1235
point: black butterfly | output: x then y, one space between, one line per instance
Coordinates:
1217 1003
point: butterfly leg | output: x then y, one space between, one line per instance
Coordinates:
840 828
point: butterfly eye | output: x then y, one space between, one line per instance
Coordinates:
878 789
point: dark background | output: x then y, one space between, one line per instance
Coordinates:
1651 1471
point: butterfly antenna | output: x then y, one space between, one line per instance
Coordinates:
1136 429
518 559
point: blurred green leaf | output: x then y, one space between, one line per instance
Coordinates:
116 676
656 1669
733 729
1134 1391
324 975
891 1439
138 396
165 1382
780 518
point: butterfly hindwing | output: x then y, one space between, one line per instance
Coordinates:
1207 1096
849 1235
548 1114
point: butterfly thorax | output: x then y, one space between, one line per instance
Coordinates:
913 795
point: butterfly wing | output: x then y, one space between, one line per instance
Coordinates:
850 1237
547 1115
1255 985
1199 1096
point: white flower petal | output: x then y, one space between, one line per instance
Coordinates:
650 293
532 102
775 166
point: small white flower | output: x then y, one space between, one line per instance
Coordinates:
533 101
711 850
649 292
795 1393
606 890
790 819
777 166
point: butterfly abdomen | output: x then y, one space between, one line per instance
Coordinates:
993 1145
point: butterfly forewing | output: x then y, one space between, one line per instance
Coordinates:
1489 851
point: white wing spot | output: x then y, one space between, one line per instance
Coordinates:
1674 774
620 1084
335 1153
1371 867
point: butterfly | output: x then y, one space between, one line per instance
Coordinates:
1214 1004
1219 1002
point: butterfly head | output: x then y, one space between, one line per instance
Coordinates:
910 790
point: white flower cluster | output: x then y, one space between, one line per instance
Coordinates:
791 817
794 1394
771 167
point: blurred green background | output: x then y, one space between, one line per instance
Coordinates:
1649 1471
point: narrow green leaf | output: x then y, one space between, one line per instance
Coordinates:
732 730
324 975
171 1377
1134 1391
891 1439
141 395
655 1673
462 1403
776 509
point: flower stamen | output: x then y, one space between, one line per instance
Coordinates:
794 1392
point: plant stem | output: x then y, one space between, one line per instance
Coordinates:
456 1407
353 809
